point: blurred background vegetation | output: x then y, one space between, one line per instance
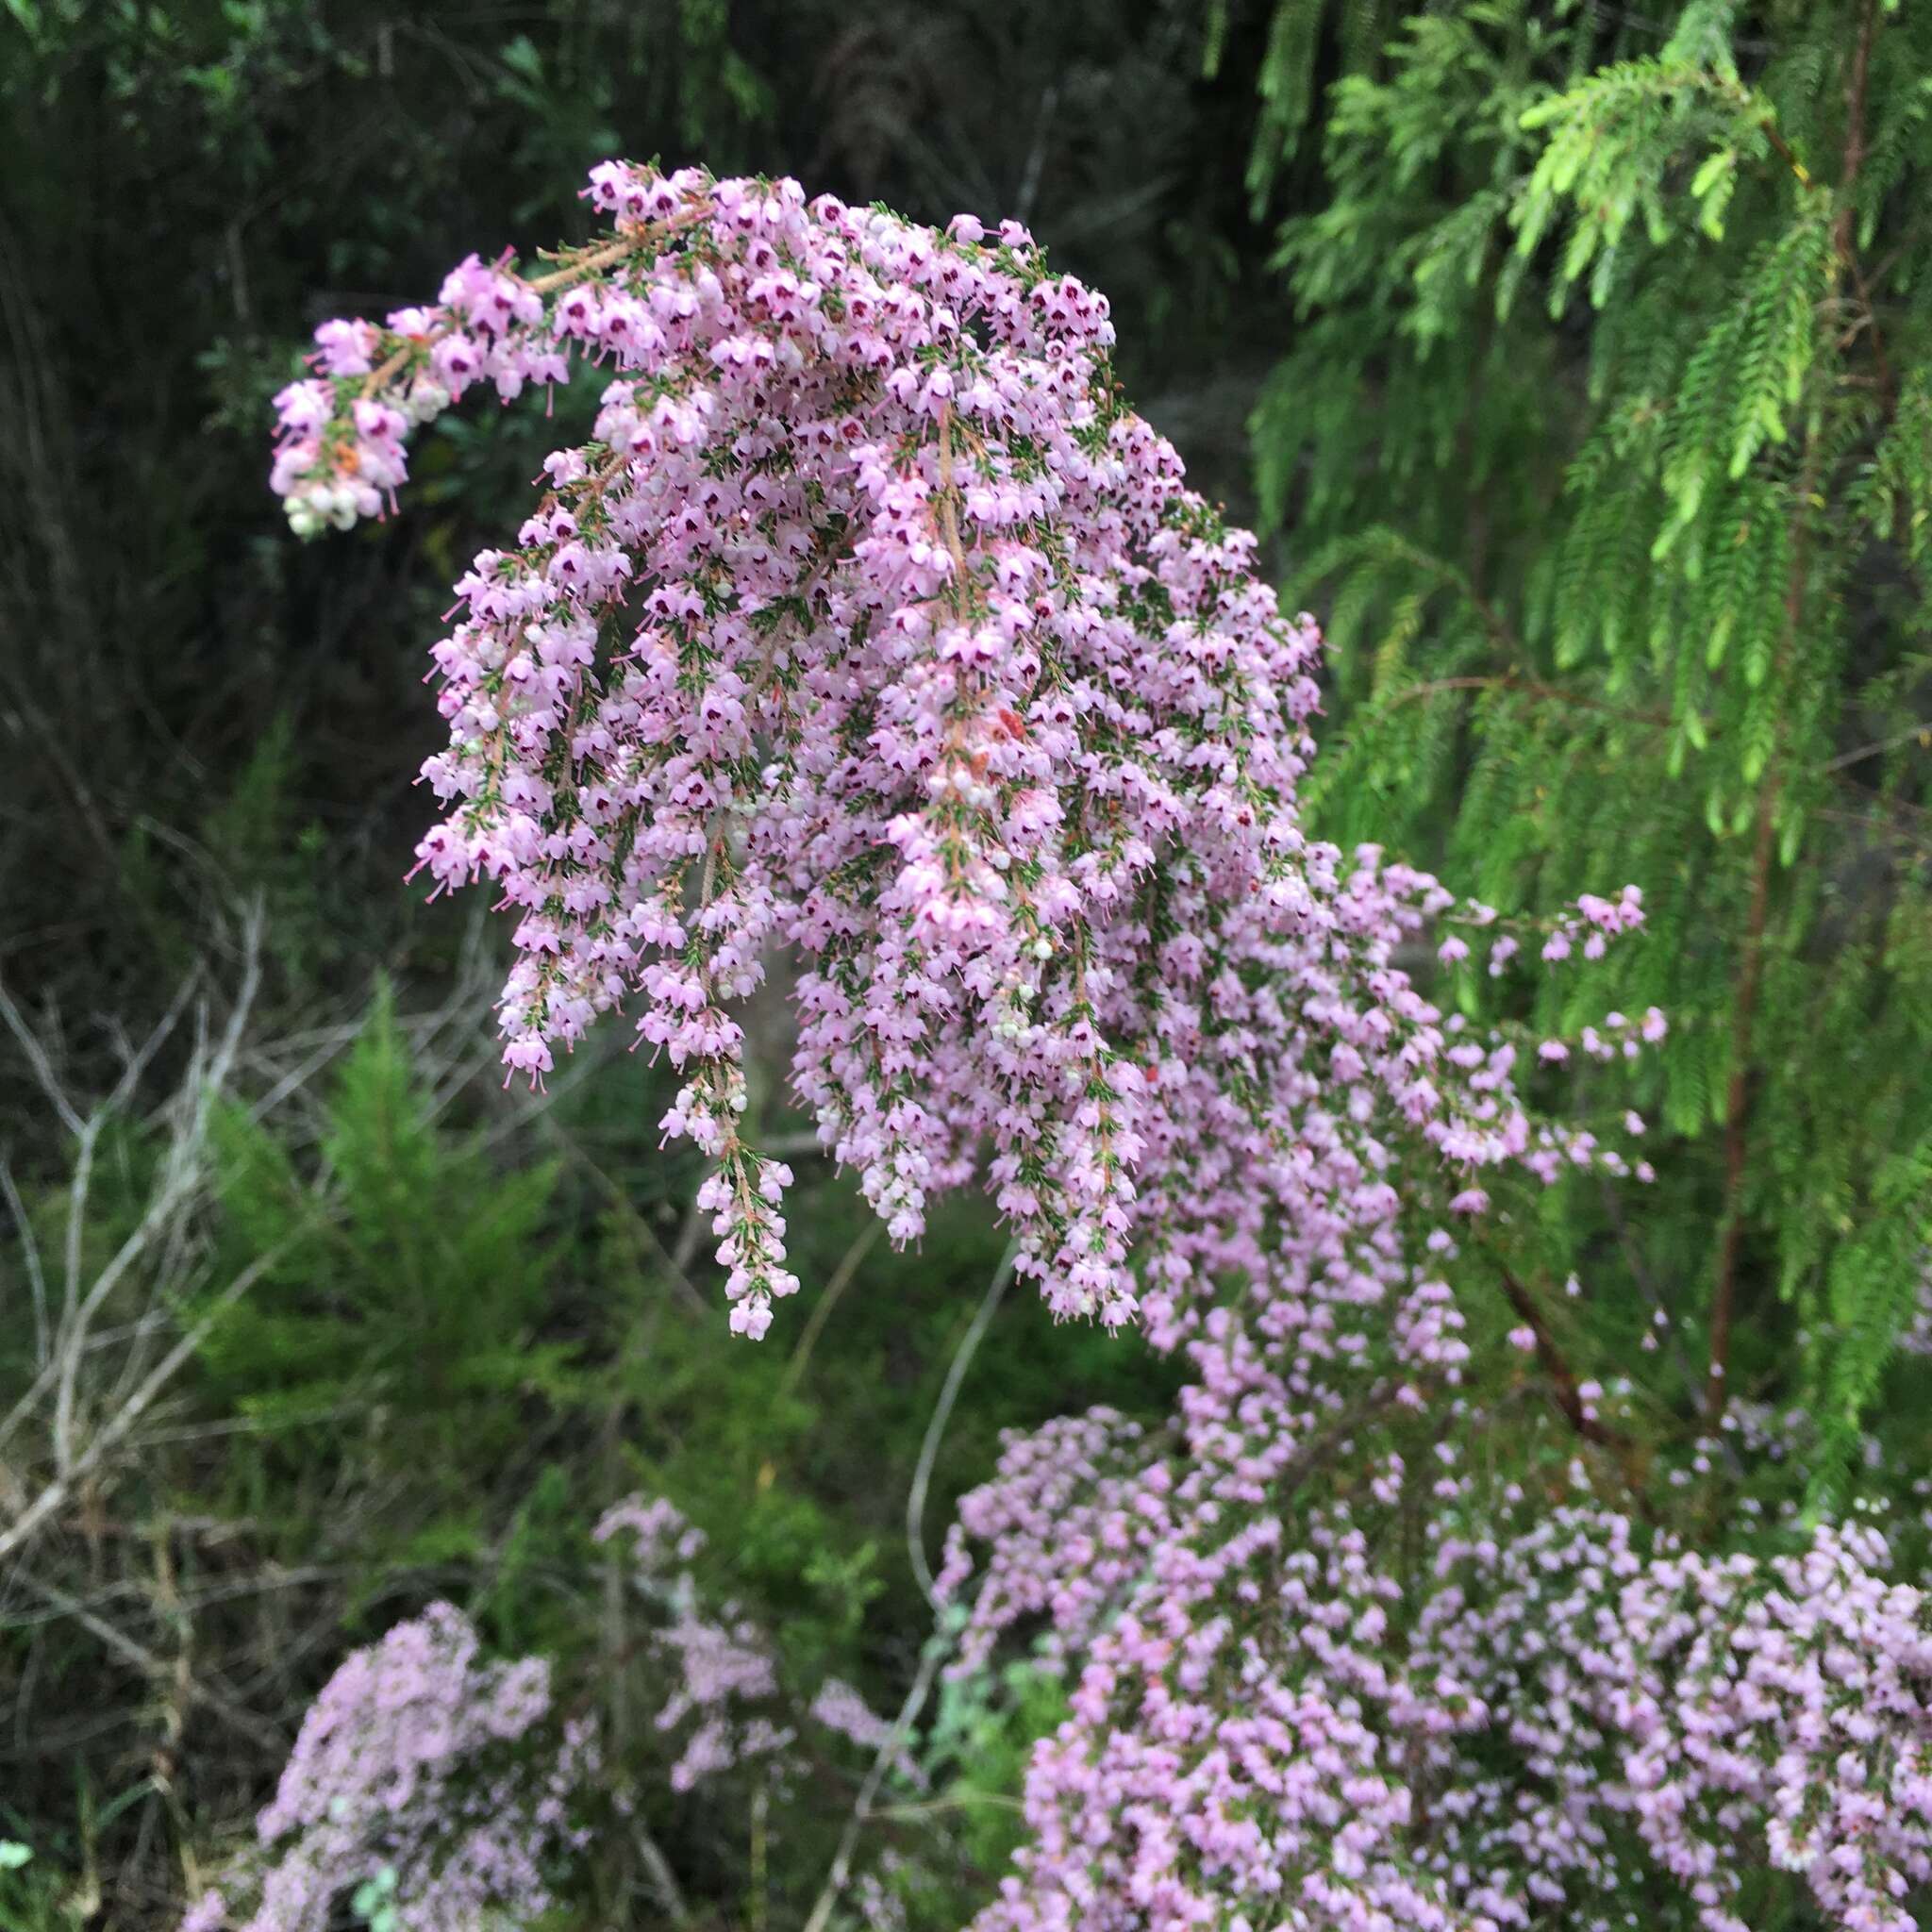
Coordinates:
1571 357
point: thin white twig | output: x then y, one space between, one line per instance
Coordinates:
890 1748
136 1062
31 1252
37 1058
257 1730
657 1866
941 1414
113 1432
183 1173
104 1337
828 1296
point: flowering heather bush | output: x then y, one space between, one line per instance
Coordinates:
424 1780
1270 1724
431 1790
723 1668
872 622
872 625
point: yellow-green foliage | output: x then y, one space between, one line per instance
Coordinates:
1603 439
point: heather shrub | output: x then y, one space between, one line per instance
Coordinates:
1536 1542
873 627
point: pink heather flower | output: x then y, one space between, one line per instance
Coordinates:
345 348
866 589
822 646
420 1760
721 1688
527 1055
208 1912
1714 1701
840 1708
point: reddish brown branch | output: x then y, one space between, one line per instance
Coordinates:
1738 1092
1858 84
1751 971
1782 148
1563 1383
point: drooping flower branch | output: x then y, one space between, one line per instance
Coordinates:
873 623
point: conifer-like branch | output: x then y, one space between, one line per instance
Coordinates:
1751 971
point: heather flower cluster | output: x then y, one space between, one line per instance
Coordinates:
872 624
434 1777
1552 1719
1327 1670
1693 1700
720 1666
443 1791
871 627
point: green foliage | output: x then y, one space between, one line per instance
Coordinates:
778 1451
32 1897
982 1735
452 1356
406 1332
1603 439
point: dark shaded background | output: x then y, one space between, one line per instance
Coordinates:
193 702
